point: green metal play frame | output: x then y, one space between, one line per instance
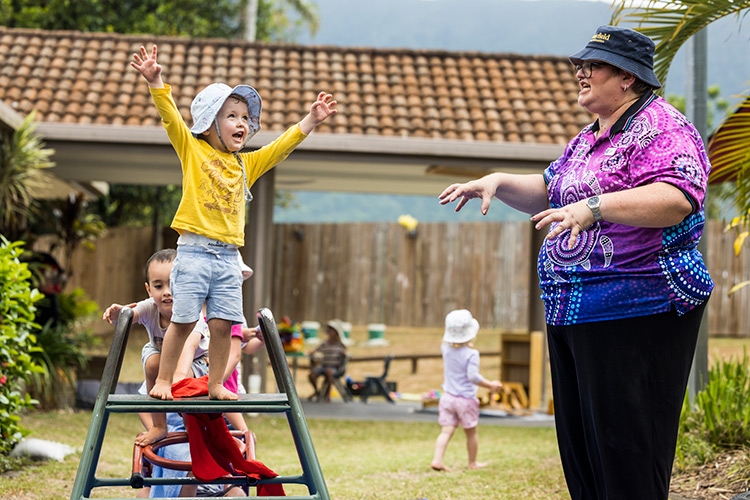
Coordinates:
287 401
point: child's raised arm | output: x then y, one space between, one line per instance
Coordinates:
322 108
113 312
148 67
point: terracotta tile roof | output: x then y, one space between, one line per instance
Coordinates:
85 78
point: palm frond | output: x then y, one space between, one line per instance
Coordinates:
670 24
729 148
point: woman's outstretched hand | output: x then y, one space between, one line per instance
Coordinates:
479 188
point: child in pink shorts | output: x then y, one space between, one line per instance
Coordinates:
459 404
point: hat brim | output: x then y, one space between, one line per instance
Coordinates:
640 70
466 335
254 107
336 327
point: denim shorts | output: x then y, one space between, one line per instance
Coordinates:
202 273
199 366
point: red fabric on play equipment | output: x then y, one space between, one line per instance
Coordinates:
213 450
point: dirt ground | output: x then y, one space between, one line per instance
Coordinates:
726 477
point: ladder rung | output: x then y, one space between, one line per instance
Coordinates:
133 403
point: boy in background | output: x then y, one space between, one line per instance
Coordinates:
155 314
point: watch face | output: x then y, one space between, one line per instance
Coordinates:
593 201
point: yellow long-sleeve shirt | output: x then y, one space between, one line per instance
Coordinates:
213 195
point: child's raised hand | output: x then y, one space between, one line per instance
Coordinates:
148 67
323 107
113 312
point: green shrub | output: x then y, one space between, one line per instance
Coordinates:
63 348
719 416
17 342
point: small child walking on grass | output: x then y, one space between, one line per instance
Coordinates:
459 404
216 180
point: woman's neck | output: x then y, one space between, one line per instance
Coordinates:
605 122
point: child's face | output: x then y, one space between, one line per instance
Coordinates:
333 335
233 123
158 287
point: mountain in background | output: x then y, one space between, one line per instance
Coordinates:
546 27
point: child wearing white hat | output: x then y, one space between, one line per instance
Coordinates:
458 403
216 180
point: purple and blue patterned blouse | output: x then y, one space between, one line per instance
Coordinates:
617 271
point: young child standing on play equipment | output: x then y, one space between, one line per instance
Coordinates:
459 404
216 180
155 314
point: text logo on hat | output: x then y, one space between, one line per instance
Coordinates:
600 37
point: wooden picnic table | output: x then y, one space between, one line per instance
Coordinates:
413 357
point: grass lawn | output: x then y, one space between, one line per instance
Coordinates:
360 460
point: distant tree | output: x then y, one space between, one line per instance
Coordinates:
275 24
194 18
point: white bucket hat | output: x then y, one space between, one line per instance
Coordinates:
209 101
460 327
336 325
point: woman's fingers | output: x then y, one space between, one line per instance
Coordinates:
444 196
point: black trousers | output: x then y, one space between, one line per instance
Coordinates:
618 388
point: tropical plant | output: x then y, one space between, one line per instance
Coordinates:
719 416
17 342
63 342
23 160
671 23
71 224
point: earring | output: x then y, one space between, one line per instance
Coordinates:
625 88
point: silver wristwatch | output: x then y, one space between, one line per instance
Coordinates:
593 203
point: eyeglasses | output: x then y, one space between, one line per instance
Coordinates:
588 68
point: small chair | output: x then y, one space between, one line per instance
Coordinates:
340 386
375 385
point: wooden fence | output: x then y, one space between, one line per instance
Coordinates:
378 273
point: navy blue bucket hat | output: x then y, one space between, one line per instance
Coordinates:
621 47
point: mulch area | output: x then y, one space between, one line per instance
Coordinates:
725 477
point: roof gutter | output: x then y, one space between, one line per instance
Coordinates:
336 143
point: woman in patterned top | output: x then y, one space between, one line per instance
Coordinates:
623 283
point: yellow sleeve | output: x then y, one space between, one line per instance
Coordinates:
264 159
178 132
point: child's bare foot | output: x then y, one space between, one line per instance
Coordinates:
222 393
151 436
477 465
161 390
439 467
